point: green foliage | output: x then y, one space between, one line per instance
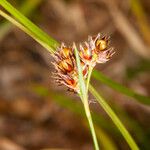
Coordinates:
27 7
29 25
115 119
67 102
50 44
84 97
118 87
13 21
74 106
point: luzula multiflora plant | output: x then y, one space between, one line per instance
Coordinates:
95 50
74 67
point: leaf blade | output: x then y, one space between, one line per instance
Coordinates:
115 119
120 88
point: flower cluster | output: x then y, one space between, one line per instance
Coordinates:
96 50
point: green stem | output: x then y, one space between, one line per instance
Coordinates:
84 97
42 37
52 43
27 23
89 118
27 8
87 109
89 77
115 119
122 89
20 26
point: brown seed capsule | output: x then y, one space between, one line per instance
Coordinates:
96 50
66 65
68 81
71 82
101 45
66 52
85 53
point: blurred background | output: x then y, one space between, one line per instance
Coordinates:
36 114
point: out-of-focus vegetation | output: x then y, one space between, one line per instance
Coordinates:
23 63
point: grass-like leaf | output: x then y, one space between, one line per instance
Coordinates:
81 79
115 119
84 97
66 102
99 120
30 28
20 26
118 87
52 44
27 7
29 25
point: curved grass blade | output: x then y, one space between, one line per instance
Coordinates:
114 118
64 101
20 26
53 44
118 87
26 8
67 102
29 25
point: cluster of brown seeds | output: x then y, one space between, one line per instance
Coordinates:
96 50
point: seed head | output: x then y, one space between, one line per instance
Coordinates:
96 50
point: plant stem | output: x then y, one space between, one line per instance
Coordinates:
89 77
115 119
84 97
122 89
87 109
20 26
30 28
27 8
52 43
28 24
89 118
